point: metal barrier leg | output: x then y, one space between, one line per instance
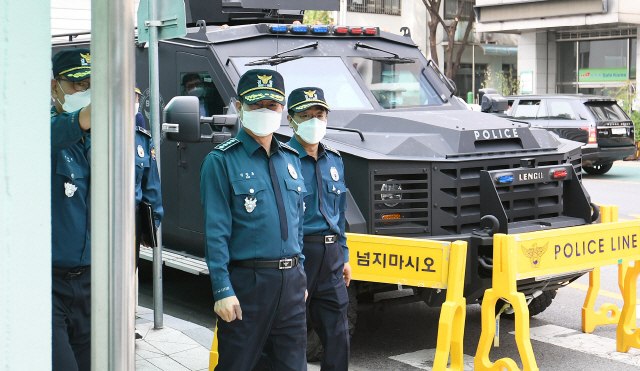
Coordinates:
213 354
504 286
627 336
453 313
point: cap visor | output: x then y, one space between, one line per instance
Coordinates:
258 95
306 106
78 74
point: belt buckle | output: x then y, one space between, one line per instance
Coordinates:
331 238
285 263
71 275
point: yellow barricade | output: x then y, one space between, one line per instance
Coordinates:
550 252
412 262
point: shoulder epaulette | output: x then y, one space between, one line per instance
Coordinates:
227 144
143 131
326 147
286 146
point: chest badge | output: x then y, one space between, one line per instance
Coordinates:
292 171
334 174
69 189
140 151
250 203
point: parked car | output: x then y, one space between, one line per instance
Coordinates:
598 122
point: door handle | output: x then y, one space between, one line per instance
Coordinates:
181 162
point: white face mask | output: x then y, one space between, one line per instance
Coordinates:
261 122
311 131
196 92
137 107
76 101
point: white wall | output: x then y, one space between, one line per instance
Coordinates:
537 53
72 16
25 212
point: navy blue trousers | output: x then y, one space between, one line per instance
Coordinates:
328 302
273 320
71 323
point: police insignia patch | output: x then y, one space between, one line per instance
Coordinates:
227 144
264 79
334 174
288 147
310 94
292 171
332 150
140 151
153 153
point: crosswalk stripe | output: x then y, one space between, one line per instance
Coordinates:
586 343
423 359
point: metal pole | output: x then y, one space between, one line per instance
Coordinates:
473 72
112 186
154 97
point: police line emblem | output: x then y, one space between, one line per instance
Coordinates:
535 254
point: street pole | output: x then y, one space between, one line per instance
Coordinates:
154 97
112 186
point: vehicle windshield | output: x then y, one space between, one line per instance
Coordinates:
328 73
397 85
606 111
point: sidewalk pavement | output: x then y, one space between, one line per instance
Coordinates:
178 346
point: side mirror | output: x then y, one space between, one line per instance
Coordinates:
181 119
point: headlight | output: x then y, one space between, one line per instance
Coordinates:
390 196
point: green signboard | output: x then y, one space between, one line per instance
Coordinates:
603 74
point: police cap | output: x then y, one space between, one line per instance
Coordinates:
302 99
257 85
138 89
73 64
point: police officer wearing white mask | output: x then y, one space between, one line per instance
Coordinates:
325 243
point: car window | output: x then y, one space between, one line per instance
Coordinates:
606 111
530 109
341 90
560 109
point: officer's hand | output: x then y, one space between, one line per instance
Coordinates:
85 118
228 309
306 294
346 272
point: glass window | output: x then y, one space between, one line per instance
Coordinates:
633 58
200 84
529 109
560 109
395 84
329 73
566 62
606 111
566 89
603 53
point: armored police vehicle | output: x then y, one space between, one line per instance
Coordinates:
418 162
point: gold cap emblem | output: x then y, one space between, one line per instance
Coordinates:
310 94
87 57
264 78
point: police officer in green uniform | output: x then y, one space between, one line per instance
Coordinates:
325 243
71 210
252 194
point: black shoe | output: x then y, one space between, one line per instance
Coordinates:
138 335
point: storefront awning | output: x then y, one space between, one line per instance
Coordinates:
492 49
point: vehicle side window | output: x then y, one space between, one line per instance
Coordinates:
200 84
606 111
530 109
560 109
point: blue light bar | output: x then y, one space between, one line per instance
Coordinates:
300 29
503 179
278 28
320 29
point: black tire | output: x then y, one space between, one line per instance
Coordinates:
314 345
537 305
598 169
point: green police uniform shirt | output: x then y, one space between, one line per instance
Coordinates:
240 207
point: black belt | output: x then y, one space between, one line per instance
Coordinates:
284 263
69 273
328 239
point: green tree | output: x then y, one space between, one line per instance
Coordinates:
320 16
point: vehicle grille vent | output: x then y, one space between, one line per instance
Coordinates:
401 201
456 195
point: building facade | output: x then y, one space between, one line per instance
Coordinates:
569 46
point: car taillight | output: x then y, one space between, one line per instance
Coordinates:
558 174
592 133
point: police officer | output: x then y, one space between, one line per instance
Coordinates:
325 244
70 210
252 191
147 178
